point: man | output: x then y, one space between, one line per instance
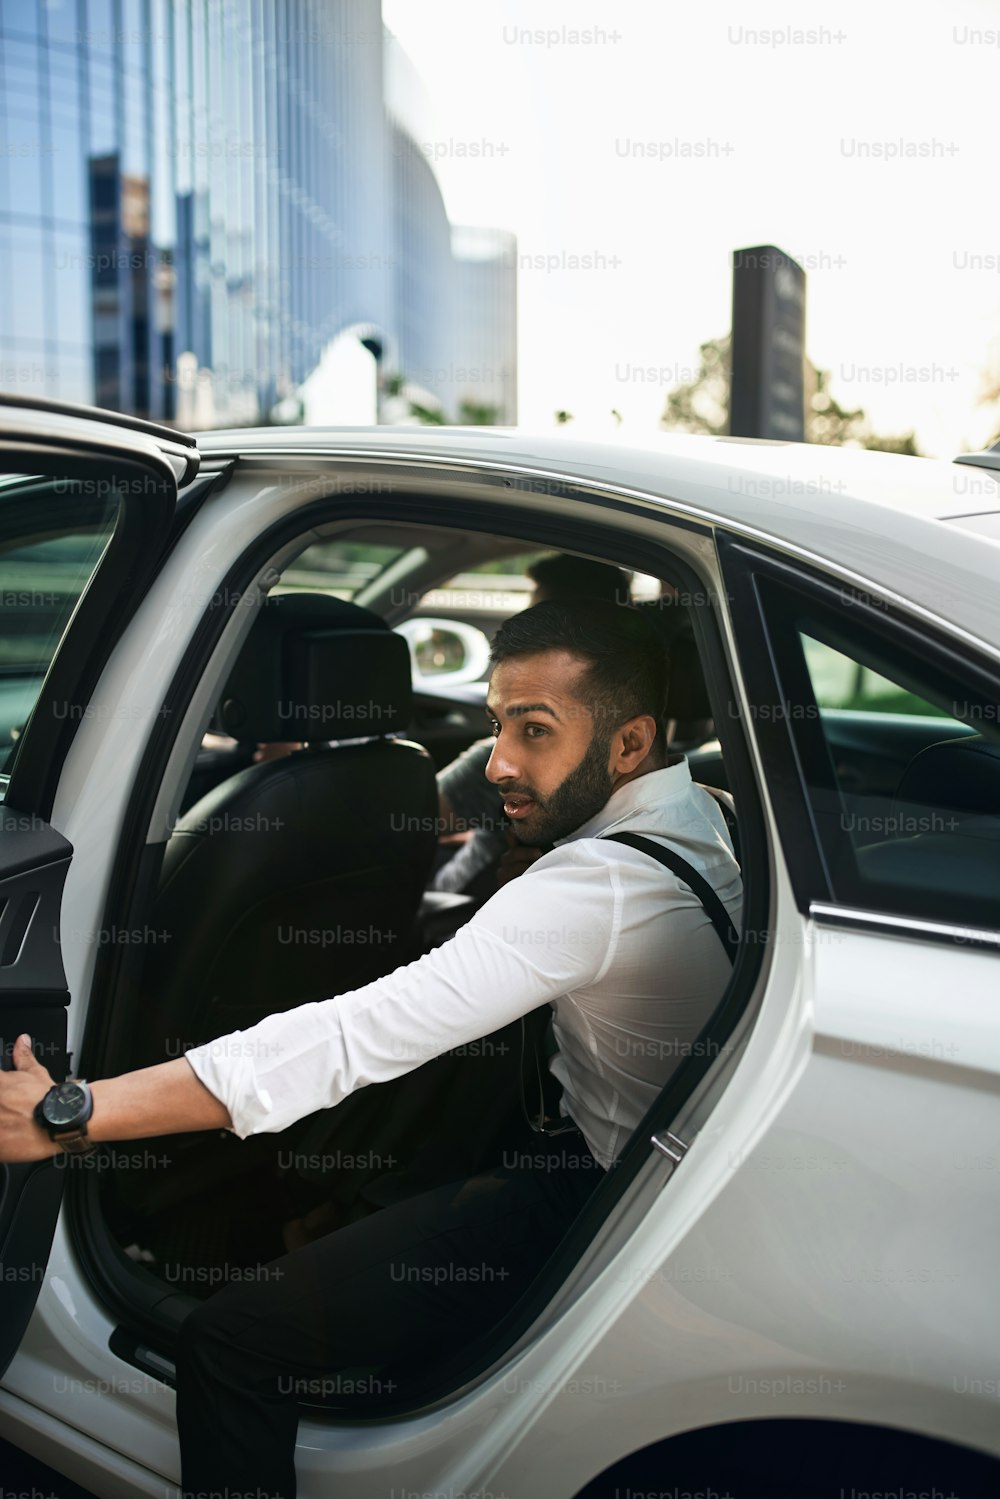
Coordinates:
623 952
467 803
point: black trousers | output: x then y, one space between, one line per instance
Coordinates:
407 1284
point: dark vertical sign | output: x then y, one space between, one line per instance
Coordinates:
768 348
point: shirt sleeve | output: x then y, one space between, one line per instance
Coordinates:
542 935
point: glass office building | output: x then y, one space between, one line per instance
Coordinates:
484 372
197 197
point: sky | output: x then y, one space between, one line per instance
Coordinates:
634 147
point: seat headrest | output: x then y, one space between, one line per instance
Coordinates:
687 695
315 668
955 775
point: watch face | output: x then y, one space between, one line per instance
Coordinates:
65 1104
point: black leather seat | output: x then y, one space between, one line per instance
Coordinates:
300 877
689 712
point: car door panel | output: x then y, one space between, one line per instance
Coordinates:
852 1235
113 491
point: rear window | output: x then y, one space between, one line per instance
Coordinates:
341 568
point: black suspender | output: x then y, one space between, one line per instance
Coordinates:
698 885
538 1075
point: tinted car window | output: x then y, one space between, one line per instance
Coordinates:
52 536
900 756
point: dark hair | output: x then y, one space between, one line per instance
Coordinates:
564 577
628 669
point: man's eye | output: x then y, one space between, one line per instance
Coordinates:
535 730
494 729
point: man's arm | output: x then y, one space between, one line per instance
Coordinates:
466 799
540 937
166 1099
535 940
448 822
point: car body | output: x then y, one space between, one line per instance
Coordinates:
805 1228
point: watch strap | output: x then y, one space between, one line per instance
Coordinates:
76 1142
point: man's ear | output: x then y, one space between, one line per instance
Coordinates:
633 742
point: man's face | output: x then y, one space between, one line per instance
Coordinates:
550 764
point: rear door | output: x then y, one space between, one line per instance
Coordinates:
870 1194
86 507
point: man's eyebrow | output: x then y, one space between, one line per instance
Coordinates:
520 709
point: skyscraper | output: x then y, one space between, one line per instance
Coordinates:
200 202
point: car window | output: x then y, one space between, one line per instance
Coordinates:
342 568
899 752
46 562
841 682
491 590
452 625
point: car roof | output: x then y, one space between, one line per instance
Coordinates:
896 522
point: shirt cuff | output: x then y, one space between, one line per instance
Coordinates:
231 1079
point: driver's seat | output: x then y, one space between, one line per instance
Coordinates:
300 877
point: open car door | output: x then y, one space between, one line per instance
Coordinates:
87 500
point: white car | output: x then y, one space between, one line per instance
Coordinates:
788 1284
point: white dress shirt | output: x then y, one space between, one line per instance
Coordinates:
627 958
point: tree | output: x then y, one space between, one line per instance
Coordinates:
828 422
470 413
989 393
427 415
477 414
562 417
899 442
702 405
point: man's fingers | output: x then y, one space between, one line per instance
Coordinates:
24 1058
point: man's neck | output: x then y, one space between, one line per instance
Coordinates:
646 769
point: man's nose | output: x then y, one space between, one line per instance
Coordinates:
500 766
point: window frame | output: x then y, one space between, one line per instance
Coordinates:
772 676
105 605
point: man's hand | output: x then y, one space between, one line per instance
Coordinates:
21 1139
516 860
166 1099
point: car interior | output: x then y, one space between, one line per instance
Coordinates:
311 808
290 878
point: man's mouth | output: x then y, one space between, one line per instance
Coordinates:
517 805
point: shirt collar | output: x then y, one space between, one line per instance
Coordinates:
648 791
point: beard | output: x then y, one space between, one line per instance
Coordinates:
579 798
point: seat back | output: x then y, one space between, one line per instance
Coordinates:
301 877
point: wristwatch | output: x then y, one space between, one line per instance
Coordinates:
63 1114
